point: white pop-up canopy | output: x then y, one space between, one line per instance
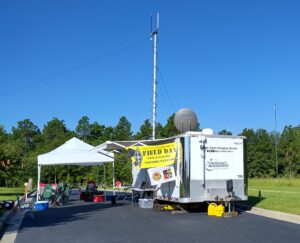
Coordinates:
74 152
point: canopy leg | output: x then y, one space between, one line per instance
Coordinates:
113 174
104 183
38 183
97 176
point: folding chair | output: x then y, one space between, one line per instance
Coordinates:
47 192
26 205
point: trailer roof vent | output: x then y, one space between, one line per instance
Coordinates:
185 120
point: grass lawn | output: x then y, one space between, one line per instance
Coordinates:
10 193
280 195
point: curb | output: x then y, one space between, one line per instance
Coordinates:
6 216
287 217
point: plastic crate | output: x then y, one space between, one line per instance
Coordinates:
146 203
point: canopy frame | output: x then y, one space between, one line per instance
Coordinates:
75 152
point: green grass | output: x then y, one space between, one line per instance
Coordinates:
10 193
280 195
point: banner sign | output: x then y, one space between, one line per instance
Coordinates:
161 175
153 155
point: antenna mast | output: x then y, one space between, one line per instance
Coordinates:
276 139
154 35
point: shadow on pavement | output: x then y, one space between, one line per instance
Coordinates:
63 215
88 222
251 202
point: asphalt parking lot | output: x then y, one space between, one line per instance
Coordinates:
88 222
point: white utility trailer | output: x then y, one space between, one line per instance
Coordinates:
206 168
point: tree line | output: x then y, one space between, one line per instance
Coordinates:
20 147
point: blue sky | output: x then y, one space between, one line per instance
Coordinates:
229 61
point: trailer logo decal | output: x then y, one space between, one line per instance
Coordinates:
156 176
168 173
160 175
218 149
138 157
214 164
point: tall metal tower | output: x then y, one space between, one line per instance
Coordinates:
154 36
276 139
